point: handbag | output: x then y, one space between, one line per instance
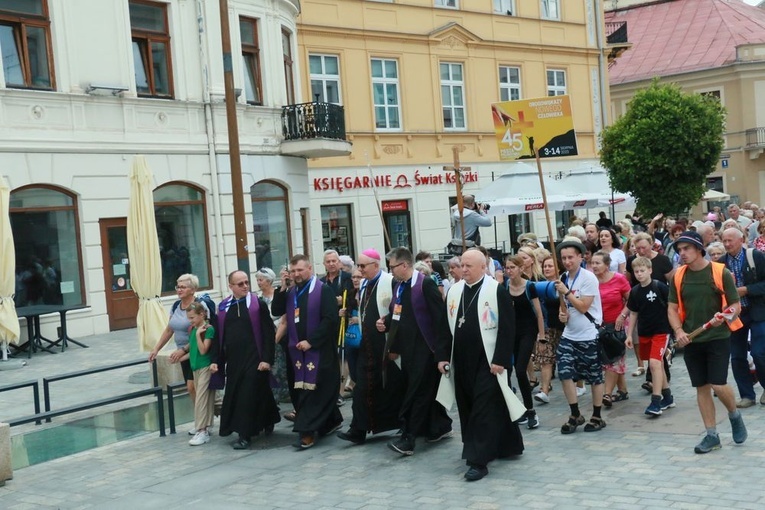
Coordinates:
610 341
353 334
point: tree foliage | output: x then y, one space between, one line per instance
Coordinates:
663 148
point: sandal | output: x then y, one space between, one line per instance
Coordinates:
570 426
595 425
607 400
534 383
621 395
290 416
647 387
640 371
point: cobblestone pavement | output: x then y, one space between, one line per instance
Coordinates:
635 462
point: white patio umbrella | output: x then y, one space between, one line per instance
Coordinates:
711 195
9 321
143 250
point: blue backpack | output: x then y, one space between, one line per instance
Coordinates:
212 310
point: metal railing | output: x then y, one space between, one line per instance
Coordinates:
755 137
35 385
306 121
171 403
616 32
48 380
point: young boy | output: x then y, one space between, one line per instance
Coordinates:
648 310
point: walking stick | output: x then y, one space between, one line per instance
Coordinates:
727 314
341 334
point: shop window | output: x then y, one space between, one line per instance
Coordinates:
181 216
271 225
46 235
253 91
25 44
151 49
337 228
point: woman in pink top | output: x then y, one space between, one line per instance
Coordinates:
614 291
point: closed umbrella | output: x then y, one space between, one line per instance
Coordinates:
143 250
9 321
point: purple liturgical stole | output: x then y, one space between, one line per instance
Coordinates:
217 380
305 363
421 311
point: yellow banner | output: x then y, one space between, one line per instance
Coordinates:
545 123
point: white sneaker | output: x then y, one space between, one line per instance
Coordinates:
192 431
581 391
542 397
200 438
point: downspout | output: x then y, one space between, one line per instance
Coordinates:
212 159
602 68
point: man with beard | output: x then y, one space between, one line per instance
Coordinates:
416 322
311 316
482 322
246 349
375 408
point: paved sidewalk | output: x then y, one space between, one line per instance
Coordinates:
635 463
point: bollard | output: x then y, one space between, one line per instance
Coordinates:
6 469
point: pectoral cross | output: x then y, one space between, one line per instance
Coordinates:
457 169
461 322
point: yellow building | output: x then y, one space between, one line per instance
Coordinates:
416 78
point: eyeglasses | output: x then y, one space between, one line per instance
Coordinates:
180 287
242 284
362 266
394 266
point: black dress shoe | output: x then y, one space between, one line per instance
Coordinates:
241 444
354 436
269 429
476 473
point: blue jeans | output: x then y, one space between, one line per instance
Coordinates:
739 346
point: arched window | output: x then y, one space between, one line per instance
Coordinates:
46 234
181 215
271 224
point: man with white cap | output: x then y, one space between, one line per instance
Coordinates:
375 408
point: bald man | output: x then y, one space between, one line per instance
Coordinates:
480 347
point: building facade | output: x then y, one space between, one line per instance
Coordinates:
87 84
417 78
718 49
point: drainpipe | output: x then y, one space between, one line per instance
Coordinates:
212 159
602 69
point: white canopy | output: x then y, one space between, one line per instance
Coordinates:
715 196
517 191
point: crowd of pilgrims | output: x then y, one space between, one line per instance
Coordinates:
402 336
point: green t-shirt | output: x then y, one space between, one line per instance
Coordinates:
196 359
703 300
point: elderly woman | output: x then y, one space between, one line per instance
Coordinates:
455 269
715 251
265 277
178 326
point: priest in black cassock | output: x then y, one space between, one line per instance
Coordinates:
416 323
246 348
375 408
311 314
477 365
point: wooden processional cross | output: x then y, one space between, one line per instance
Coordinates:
457 169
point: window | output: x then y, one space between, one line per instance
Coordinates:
289 79
325 78
385 94
337 228
151 49
452 96
556 82
253 91
25 44
509 83
563 222
271 225
518 224
451 4
504 7
550 9
181 216
45 226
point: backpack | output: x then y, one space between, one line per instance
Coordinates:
212 310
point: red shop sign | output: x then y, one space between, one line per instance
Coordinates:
395 205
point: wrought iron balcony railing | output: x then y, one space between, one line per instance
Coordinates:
616 32
313 120
755 138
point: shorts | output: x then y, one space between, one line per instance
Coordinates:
188 374
579 360
654 346
707 362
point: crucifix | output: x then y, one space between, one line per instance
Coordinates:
457 169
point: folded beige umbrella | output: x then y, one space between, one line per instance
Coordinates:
9 321
143 250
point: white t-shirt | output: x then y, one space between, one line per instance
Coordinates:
617 257
579 328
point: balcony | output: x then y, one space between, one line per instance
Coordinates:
755 138
616 39
314 130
